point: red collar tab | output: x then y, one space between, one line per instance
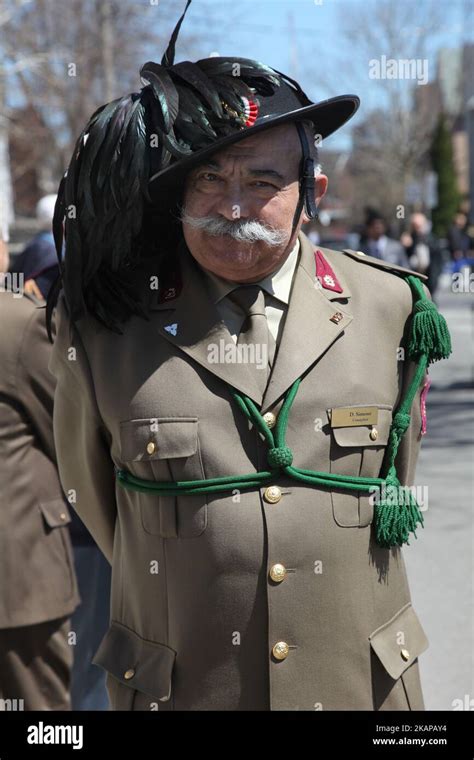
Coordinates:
325 273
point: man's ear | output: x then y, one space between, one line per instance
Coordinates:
320 187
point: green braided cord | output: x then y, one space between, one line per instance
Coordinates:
394 520
396 512
251 411
333 480
252 480
282 420
429 331
401 419
393 523
190 487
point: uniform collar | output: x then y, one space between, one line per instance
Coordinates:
277 284
304 255
190 321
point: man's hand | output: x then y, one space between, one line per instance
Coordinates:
32 288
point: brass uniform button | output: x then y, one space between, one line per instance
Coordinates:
405 654
278 573
129 674
280 650
151 447
62 515
373 434
270 419
272 494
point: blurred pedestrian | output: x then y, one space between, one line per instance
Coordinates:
423 250
90 619
38 592
4 258
40 252
375 241
458 238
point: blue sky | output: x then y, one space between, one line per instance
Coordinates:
306 40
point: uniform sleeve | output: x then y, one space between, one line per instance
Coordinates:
82 441
33 385
409 448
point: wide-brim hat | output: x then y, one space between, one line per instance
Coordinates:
282 102
119 200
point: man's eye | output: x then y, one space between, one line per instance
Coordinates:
208 176
262 182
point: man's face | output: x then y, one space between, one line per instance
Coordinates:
253 180
418 223
376 229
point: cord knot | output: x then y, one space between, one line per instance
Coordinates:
279 456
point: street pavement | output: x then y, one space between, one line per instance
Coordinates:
440 561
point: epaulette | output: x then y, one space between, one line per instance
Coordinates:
372 261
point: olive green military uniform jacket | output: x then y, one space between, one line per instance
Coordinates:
38 581
197 604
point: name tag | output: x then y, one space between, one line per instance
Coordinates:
351 416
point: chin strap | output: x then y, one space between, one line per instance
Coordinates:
307 180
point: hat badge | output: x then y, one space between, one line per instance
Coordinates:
249 113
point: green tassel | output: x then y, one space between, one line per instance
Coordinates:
397 513
429 331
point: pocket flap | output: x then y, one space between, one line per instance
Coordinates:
398 642
137 663
158 438
363 435
55 513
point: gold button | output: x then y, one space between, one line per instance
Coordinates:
280 650
405 654
129 674
270 419
151 447
62 515
278 572
272 494
374 434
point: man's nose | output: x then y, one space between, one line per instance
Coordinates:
232 205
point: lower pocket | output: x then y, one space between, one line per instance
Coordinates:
57 549
395 648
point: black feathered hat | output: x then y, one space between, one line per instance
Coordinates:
129 164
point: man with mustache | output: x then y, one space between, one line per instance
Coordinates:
253 568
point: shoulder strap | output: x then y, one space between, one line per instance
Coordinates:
372 261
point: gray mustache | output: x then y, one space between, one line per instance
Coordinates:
244 231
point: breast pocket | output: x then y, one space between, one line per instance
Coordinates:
358 451
166 449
